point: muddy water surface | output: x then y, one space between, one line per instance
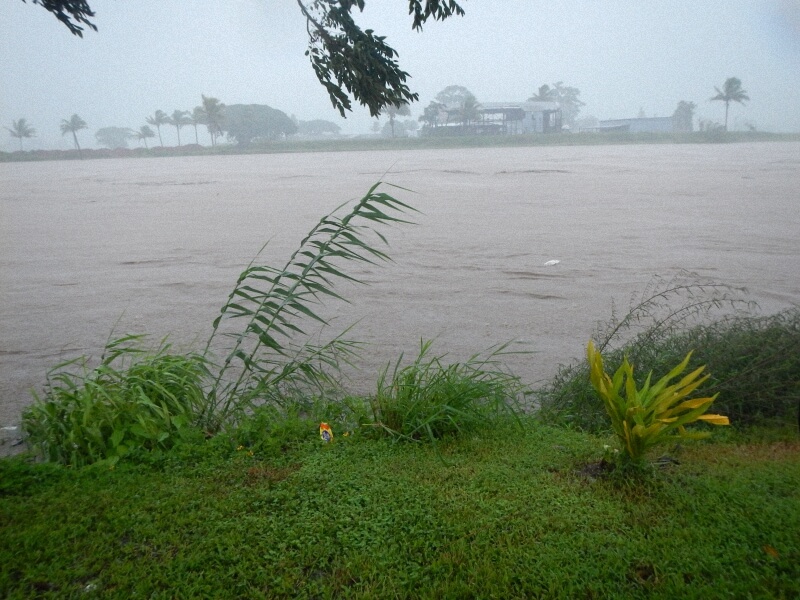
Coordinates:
155 245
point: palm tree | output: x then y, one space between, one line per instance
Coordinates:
470 110
20 129
180 118
212 116
72 126
731 92
196 118
545 94
144 133
158 119
393 111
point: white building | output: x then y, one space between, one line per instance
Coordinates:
523 117
639 125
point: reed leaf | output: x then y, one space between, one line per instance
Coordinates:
277 304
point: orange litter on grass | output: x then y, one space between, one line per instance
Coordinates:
325 432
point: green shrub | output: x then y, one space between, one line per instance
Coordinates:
144 401
753 362
653 414
134 399
270 431
754 365
430 400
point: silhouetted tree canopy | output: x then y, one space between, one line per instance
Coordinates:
393 112
347 60
144 133
317 127
459 104
731 91
246 122
683 117
453 96
113 137
566 96
73 125
211 114
20 128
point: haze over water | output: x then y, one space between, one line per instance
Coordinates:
155 245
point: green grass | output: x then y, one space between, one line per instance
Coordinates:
509 516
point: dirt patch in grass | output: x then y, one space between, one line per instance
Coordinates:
595 470
727 453
267 475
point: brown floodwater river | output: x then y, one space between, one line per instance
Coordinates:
155 245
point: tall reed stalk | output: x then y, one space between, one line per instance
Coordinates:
267 310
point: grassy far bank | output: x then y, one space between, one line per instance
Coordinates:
419 143
512 512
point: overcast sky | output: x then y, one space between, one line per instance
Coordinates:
623 55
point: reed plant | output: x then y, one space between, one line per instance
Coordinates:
429 399
137 399
263 328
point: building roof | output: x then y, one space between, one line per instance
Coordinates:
615 122
527 106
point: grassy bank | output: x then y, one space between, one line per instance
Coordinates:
511 512
419 143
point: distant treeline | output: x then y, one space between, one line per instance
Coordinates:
388 143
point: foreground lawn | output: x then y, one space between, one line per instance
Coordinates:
508 513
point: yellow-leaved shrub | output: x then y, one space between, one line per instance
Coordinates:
653 414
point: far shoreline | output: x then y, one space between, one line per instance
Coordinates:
367 144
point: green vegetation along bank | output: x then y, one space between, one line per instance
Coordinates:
410 143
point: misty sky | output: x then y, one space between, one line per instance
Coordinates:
622 54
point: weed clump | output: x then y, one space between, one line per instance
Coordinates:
134 399
430 400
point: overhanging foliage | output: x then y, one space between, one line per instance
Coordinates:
348 60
